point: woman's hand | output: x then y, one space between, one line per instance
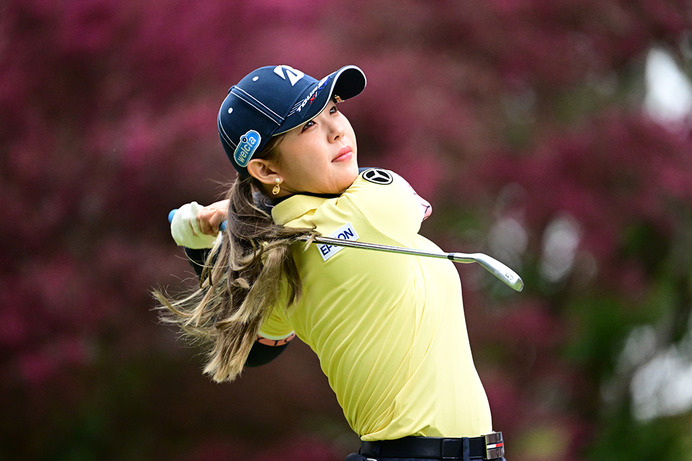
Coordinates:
211 216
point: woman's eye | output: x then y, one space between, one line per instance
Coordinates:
333 109
308 125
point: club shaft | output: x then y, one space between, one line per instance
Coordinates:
386 248
498 269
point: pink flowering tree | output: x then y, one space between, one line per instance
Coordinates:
523 124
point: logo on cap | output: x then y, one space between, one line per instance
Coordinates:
310 98
249 142
287 71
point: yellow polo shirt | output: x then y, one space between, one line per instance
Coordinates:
389 329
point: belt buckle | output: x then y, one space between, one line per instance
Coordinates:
494 445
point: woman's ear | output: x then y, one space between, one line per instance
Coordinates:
263 171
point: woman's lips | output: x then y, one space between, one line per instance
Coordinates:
344 154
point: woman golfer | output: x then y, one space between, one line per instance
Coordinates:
389 330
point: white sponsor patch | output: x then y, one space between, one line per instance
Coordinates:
345 232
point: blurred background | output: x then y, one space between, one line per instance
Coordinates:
551 134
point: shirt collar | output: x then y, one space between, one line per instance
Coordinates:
295 206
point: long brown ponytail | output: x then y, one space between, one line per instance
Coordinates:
247 274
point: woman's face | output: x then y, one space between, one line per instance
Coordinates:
319 156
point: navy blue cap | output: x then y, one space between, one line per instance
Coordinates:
272 100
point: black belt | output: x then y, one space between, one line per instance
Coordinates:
490 446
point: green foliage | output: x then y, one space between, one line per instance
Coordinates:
620 439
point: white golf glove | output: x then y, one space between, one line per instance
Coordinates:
185 228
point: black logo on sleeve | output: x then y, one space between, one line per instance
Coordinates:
378 176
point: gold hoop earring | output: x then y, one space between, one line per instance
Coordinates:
277 187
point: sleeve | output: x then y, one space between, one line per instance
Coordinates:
425 206
273 338
276 329
389 204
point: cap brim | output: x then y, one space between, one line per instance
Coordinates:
347 82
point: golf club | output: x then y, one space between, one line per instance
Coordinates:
492 265
495 267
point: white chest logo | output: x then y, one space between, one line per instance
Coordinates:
378 176
287 71
345 232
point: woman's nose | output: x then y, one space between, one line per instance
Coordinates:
336 130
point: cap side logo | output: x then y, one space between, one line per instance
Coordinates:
293 75
310 98
249 142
